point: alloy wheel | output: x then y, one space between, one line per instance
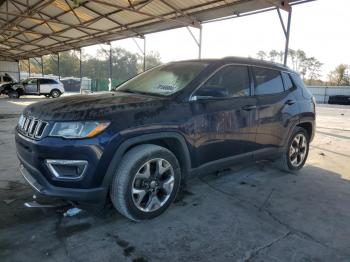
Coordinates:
153 185
298 150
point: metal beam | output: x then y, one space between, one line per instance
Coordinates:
282 23
80 71
42 66
144 53
287 36
198 41
142 50
29 67
110 67
58 66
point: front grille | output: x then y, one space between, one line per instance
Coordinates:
31 127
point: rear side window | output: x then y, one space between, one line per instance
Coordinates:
288 84
267 81
230 81
47 81
297 80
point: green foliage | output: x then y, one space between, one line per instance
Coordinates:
340 76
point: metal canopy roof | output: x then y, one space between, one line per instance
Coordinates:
38 27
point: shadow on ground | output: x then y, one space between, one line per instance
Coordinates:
248 213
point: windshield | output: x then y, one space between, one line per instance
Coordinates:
164 80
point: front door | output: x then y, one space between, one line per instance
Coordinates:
224 116
31 87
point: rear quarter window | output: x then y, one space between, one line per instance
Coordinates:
267 81
300 84
288 84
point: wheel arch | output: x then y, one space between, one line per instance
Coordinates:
309 126
171 140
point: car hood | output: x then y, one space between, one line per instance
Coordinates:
91 106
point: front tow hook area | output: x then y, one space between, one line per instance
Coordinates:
52 204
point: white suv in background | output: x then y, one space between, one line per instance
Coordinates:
37 86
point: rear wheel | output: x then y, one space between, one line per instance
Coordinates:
55 93
297 150
146 182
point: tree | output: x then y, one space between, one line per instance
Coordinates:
314 69
340 76
261 55
308 67
273 54
153 59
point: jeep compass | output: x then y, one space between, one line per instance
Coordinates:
136 144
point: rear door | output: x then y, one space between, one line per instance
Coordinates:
224 116
277 108
46 85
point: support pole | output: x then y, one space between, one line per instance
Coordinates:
42 66
110 67
80 71
19 70
144 53
287 36
200 42
58 66
28 67
142 50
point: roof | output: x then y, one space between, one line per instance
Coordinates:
39 27
241 60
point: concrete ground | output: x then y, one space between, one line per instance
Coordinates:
249 213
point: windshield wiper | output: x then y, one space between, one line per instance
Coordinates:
138 92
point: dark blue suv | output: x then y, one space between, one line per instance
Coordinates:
136 144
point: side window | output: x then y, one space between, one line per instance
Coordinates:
288 84
32 81
230 81
267 81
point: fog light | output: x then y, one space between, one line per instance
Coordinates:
67 169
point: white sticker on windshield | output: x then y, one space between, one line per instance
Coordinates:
167 88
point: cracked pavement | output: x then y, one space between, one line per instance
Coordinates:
247 213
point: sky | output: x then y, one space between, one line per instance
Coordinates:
320 28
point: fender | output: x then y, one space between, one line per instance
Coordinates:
124 146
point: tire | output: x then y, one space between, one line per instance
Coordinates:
290 160
55 93
14 94
138 196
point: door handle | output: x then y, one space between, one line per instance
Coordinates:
290 102
248 107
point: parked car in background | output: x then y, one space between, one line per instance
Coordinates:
135 145
35 86
71 84
5 81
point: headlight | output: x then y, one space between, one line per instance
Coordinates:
78 129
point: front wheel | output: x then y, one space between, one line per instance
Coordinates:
146 182
14 94
297 150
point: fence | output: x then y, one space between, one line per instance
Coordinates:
322 93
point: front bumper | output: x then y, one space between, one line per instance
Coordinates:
87 190
38 182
